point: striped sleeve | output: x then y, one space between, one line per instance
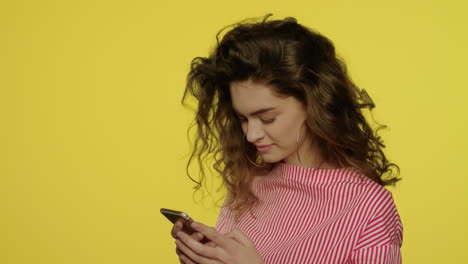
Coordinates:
225 222
382 238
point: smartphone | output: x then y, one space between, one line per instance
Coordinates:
174 215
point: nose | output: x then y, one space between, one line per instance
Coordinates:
254 131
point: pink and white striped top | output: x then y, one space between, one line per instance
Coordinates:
308 215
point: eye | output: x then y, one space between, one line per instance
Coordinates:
242 119
268 121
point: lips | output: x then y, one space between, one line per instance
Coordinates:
263 148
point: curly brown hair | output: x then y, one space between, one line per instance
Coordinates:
296 61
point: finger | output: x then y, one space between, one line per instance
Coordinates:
241 237
178 252
211 244
176 228
182 257
196 250
230 235
188 253
197 236
210 233
186 260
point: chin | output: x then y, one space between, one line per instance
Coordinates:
271 158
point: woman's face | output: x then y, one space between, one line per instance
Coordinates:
271 122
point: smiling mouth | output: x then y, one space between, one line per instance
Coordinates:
264 148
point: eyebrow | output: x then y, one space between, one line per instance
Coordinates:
263 110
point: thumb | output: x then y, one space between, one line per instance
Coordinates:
211 244
241 237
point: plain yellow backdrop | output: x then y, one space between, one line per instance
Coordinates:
93 137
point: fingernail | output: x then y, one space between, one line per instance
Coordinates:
200 235
195 224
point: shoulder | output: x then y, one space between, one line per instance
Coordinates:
381 220
374 197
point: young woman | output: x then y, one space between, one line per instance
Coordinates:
282 122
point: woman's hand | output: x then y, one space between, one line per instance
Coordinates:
231 248
179 227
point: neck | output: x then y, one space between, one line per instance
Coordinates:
310 157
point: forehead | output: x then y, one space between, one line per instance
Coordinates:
249 96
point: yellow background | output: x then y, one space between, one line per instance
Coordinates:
93 136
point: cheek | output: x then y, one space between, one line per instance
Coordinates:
285 134
281 134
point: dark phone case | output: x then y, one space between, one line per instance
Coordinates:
174 215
